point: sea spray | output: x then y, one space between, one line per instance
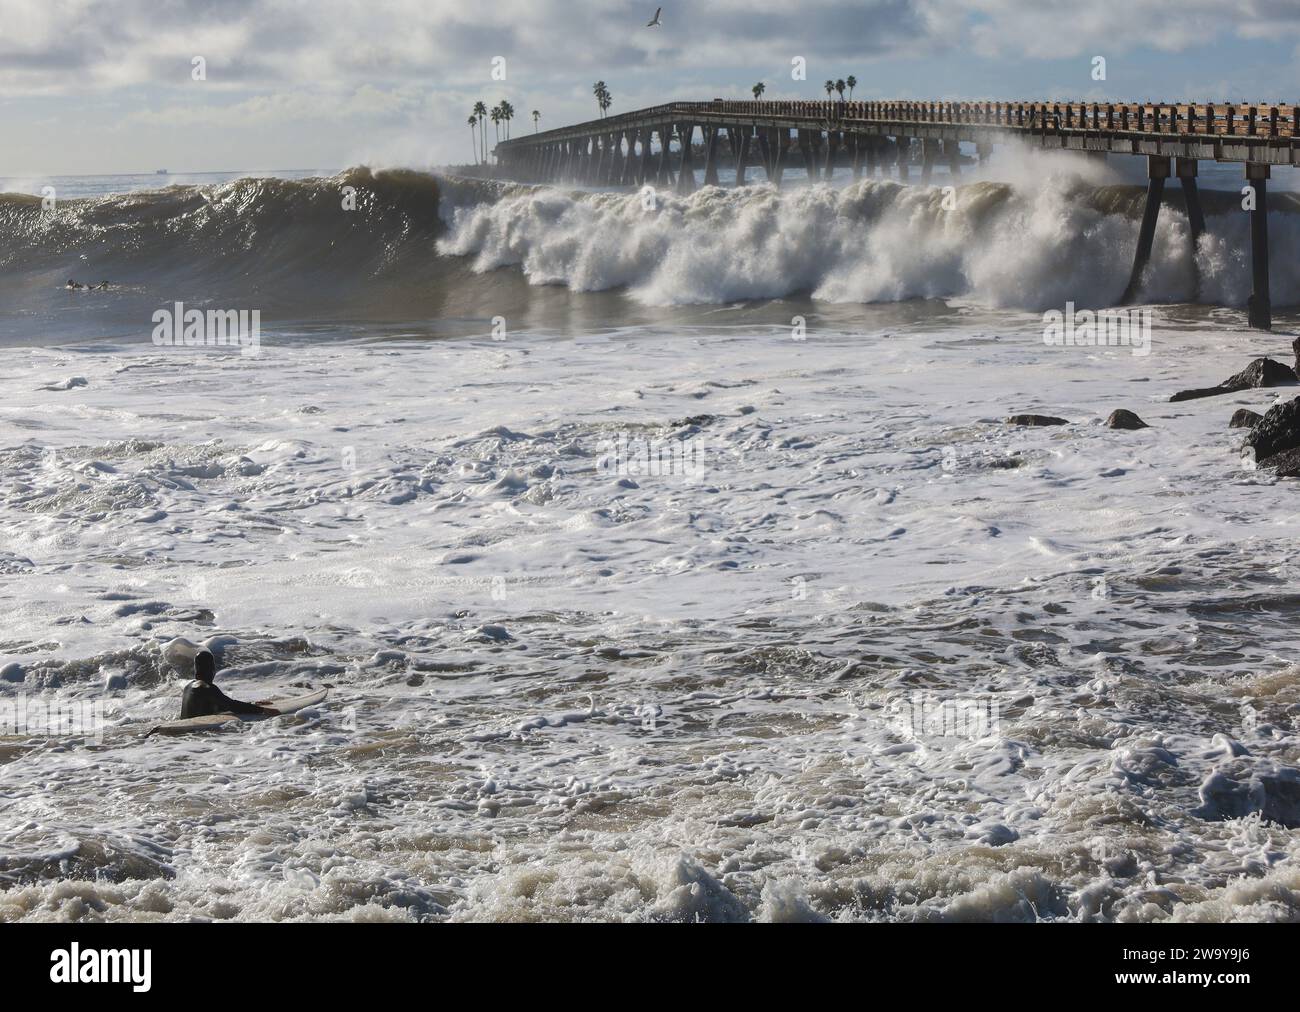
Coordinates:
1027 245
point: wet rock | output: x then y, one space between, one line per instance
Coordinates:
1245 786
1035 420
1121 418
1244 418
12 673
1285 464
1263 372
1277 431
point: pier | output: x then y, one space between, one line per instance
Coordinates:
656 147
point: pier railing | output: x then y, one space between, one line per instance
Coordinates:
1262 121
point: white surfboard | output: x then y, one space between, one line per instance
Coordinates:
210 723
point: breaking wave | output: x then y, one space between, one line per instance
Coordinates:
1002 245
379 246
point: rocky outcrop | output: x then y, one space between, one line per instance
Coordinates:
1035 420
1263 372
1122 418
1285 464
1277 431
1244 418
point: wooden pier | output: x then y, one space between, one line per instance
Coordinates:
637 149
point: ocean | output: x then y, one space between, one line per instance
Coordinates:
668 562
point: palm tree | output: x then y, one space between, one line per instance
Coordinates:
840 85
829 86
600 91
758 90
507 114
480 110
536 116
473 136
852 82
496 121
606 100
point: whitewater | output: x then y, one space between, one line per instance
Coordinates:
655 600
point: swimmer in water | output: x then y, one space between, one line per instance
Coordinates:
203 699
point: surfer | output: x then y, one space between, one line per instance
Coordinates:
203 699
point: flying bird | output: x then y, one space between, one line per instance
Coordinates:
656 23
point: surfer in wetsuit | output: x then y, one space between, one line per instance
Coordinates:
203 699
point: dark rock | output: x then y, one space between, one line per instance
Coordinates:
1035 420
1295 347
1286 464
12 673
1244 418
1122 418
1277 431
1263 372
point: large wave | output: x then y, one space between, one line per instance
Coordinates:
275 229
1028 244
380 247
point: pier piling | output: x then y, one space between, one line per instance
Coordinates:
740 145
1259 309
710 155
686 172
1185 169
832 147
1157 173
929 155
805 149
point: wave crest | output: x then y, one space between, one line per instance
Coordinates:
1002 245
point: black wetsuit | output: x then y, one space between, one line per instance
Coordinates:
202 699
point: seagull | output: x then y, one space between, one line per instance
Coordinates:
656 23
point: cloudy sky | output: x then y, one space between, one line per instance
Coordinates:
107 86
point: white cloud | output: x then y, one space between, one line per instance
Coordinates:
340 76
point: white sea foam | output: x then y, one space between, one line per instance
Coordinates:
561 692
1041 239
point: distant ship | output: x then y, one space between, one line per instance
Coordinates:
161 172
